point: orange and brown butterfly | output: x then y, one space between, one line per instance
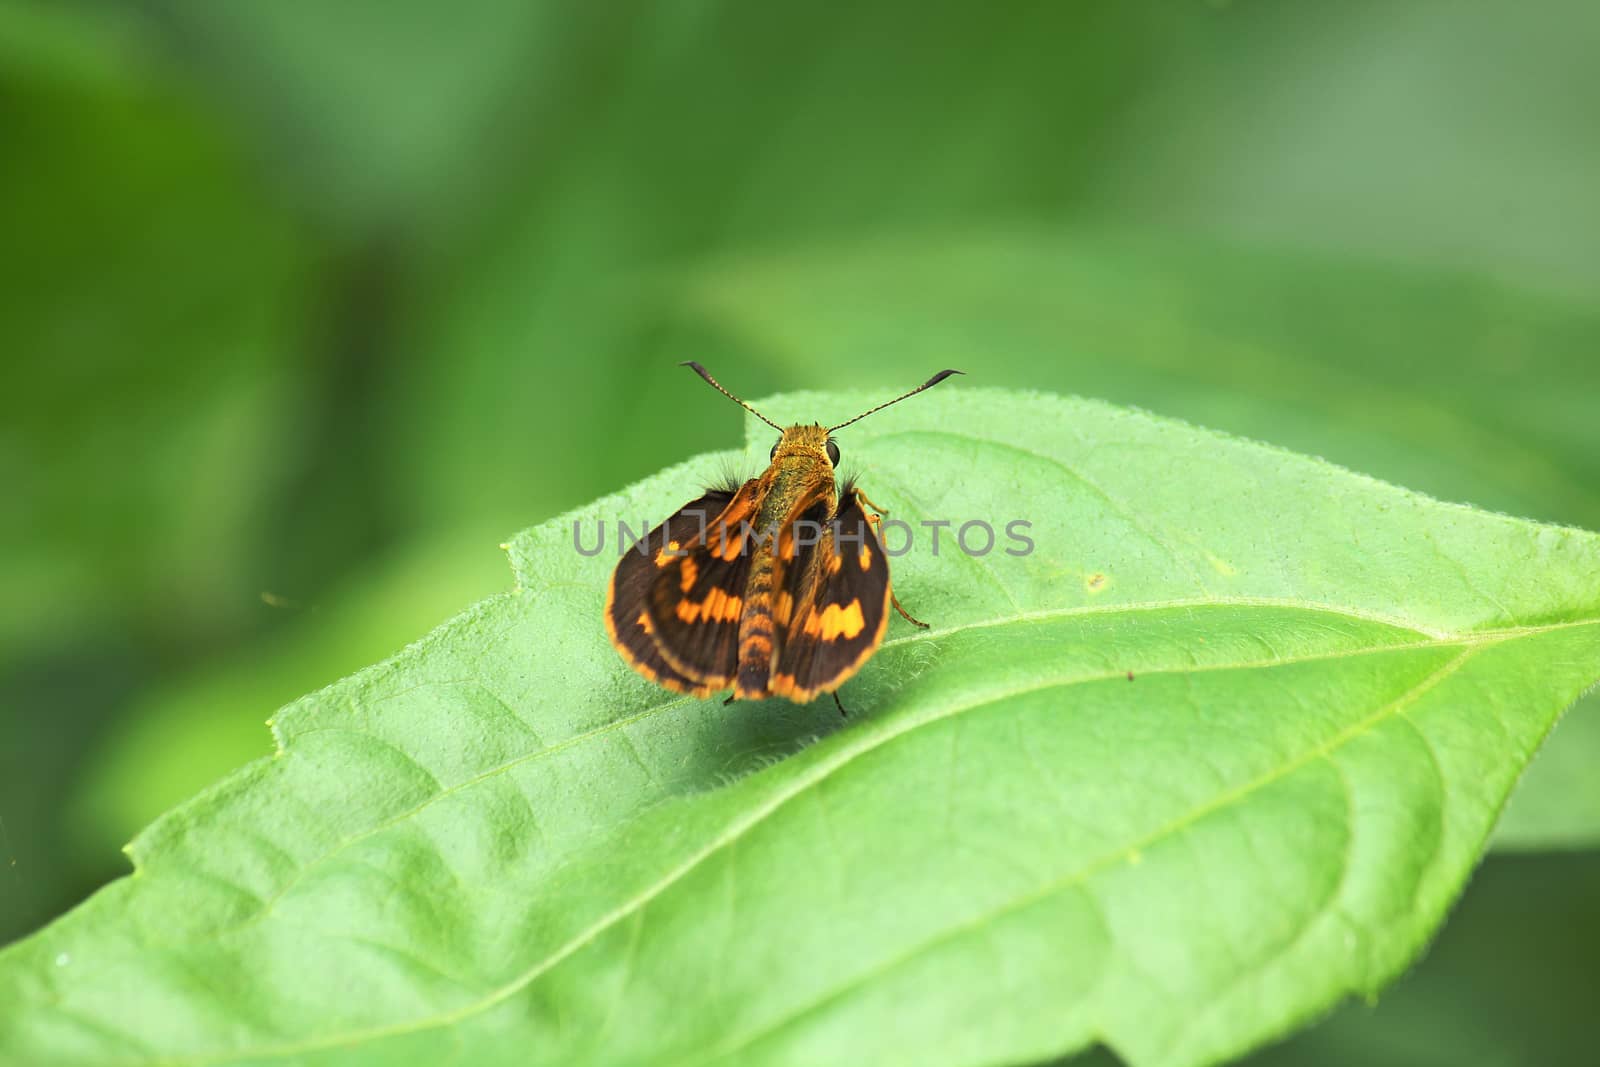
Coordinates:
776 587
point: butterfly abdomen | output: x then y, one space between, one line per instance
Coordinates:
756 630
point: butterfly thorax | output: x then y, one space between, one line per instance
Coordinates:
797 484
800 473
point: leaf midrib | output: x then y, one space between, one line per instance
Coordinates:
1116 856
268 902
1470 643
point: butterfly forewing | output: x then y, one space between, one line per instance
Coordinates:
627 616
695 600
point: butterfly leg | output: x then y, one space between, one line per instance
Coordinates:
918 623
866 501
838 704
875 518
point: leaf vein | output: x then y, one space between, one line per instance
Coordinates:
1081 876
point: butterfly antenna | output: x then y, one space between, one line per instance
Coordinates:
698 369
929 384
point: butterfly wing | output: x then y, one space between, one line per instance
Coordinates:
627 600
832 607
697 595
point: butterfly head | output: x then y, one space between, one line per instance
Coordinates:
806 443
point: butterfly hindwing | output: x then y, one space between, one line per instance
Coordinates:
832 607
696 596
627 600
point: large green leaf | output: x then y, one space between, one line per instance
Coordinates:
1458 385
1219 752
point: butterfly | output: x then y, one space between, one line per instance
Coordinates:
775 587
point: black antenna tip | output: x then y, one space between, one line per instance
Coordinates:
698 369
935 380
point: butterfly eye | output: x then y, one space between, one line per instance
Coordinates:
833 452
774 453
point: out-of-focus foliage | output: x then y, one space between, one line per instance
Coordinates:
1501 987
322 301
1012 851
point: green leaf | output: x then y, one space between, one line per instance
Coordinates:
503 846
1463 387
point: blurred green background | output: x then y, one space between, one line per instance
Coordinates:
305 307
